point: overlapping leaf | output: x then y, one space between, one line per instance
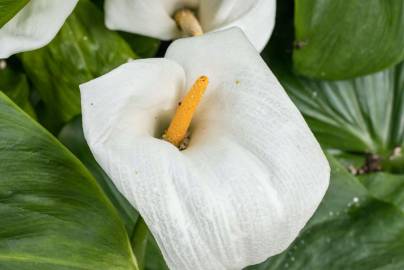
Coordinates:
154 259
338 39
386 187
360 115
53 215
143 46
14 84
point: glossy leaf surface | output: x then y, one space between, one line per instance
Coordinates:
337 39
15 85
53 215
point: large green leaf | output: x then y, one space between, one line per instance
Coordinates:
73 138
53 215
83 49
339 39
361 115
350 230
14 84
9 8
386 187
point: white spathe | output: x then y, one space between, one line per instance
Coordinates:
252 175
155 17
34 26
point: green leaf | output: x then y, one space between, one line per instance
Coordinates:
72 137
98 3
143 46
386 187
350 230
139 241
362 114
9 8
154 259
53 215
14 84
83 49
348 159
344 190
337 39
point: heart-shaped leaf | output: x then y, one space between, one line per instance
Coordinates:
53 215
82 50
9 8
343 39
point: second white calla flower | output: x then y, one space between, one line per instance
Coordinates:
34 26
252 175
155 18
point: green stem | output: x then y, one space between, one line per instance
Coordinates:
139 241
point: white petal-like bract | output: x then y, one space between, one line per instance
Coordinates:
252 175
155 17
34 26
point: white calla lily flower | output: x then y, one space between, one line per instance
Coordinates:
252 175
155 18
34 26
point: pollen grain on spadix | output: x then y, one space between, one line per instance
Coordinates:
177 130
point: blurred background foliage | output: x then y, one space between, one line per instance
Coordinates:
339 61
